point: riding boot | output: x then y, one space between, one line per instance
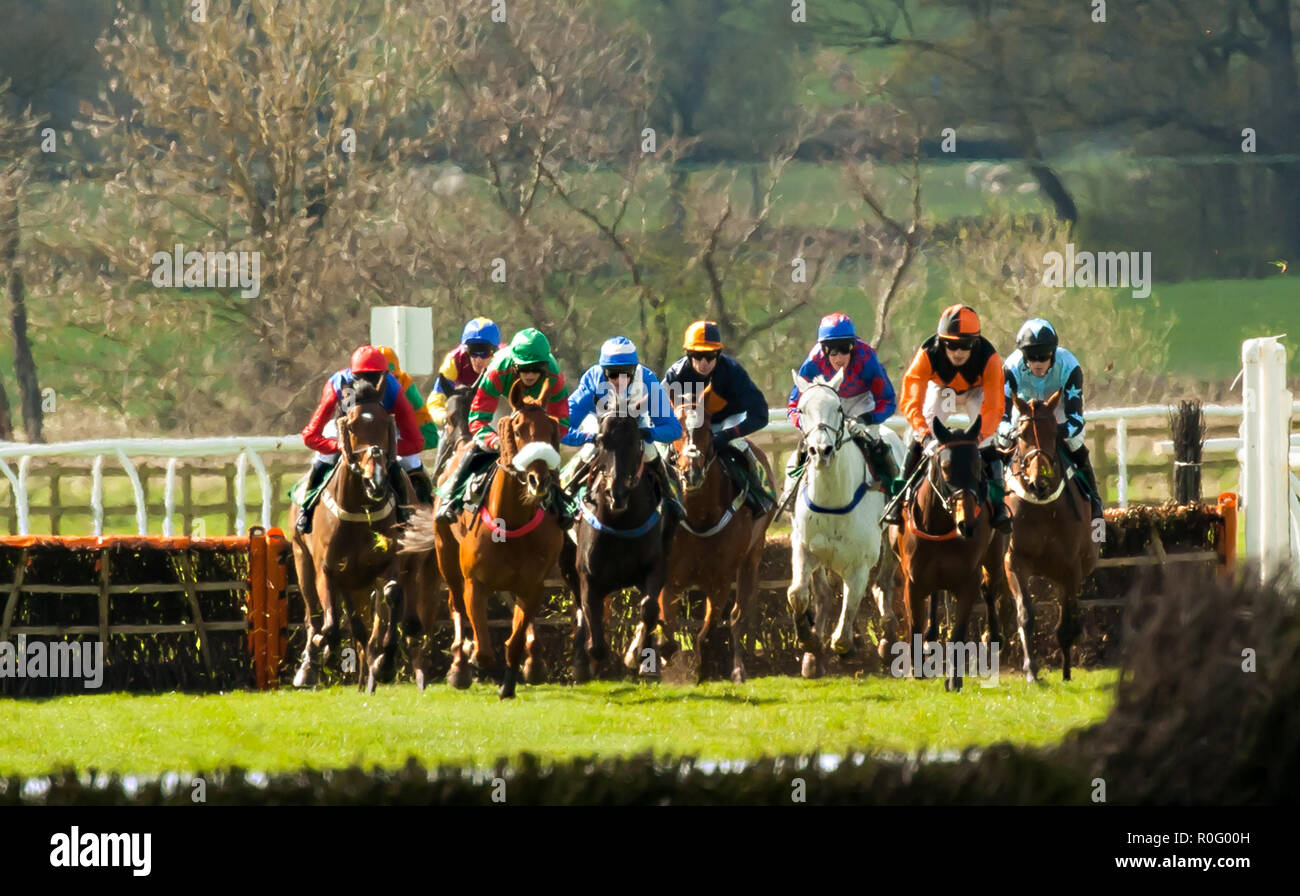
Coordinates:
893 515
997 488
451 498
1083 462
319 470
422 484
397 476
794 465
664 481
757 495
882 463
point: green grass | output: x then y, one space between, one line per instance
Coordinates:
286 730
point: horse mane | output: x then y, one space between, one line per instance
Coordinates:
361 392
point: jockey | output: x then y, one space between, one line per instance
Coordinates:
955 368
745 408
1038 368
866 393
463 365
528 360
620 371
428 430
368 364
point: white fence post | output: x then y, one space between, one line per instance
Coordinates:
1265 466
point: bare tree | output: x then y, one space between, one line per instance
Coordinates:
18 152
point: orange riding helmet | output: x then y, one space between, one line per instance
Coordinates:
959 323
703 336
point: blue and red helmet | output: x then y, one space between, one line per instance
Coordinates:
836 326
481 329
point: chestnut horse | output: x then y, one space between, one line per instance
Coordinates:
351 550
946 537
1051 527
720 541
510 544
621 540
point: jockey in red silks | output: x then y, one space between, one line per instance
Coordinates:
369 364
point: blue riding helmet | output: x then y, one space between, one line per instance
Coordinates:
481 329
618 352
836 326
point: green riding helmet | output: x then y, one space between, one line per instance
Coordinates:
529 346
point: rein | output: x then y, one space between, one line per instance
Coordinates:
521 479
1019 464
369 514
692 452
592 520
945 497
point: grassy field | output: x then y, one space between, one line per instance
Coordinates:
286 730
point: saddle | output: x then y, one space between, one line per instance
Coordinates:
756 487
299 494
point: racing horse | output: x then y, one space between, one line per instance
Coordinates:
422 612
509 544
1051 527
720 540
351 550
620 540
947 541
836 522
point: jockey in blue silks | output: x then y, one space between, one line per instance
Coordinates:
1038 368
619 372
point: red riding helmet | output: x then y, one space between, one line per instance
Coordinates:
369 359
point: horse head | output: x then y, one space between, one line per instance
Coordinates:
458 406
1036 435
694 449
367 438
530 440
620 457
821 417
955 474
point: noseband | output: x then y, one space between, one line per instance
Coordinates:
837 433
1020 463
940 487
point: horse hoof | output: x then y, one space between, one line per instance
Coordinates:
459 676
667 647
808 668
305 677
370 683
952 684
581 673
419 679
534 671
738 675
845 651
882 649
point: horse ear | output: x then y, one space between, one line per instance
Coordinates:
835 381
1022 406
800 383
516 395
941 432
1054 400
974 431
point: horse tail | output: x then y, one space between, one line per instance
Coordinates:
418 538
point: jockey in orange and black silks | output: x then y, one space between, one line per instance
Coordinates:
1038 369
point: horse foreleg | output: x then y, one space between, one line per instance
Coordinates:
741 616
882 588
962 657
799 596
1068 628
855 587
1024 616
484 656
526 604
308 670
535 671
647 655
915 601
668 622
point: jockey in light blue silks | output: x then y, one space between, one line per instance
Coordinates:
619 373
1039 368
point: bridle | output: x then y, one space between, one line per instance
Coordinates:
838 434
940 487
692 453
1019 463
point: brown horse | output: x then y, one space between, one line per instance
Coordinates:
351 550
510 544
1051 527
718 544
945 539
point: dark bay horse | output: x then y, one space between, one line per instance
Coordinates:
352 550
718 544
947 538
422 612
621 540
1051 527
510 544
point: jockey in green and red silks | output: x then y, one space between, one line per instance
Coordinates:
527 360
369 364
